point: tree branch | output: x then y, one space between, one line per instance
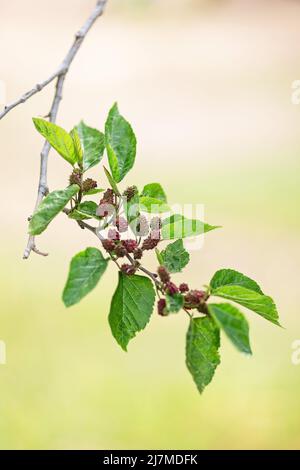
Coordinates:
60 76
64 67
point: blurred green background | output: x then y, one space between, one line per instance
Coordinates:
207 88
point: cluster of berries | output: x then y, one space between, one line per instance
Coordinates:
141 227
86 185
192 299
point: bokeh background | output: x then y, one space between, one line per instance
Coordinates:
207 88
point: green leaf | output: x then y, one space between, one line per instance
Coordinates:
93 144
86 269
154 190
77 145
174 303
91 192
51 205
261 304
152 205
175 257
202 345
120 144
111 181
177 226
131 307
58 138
85 210
226 277
159 257
233 322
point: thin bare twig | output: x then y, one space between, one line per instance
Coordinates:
60 76
64 67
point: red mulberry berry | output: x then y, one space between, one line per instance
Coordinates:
108 245
128 269
130 245
194 297
183 288
163 274
161 307
121 224
171 288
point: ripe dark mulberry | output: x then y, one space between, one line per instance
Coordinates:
161 307
184 287
163 274
171 288
130 245
128 269
108 245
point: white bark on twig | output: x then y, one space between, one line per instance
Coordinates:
60 76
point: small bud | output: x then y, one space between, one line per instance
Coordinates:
163 274
130 245
161 307
113 234
138 253
89 184
108 197
121 224
171 288
75 177
128 269
108 245
183 288
130 192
